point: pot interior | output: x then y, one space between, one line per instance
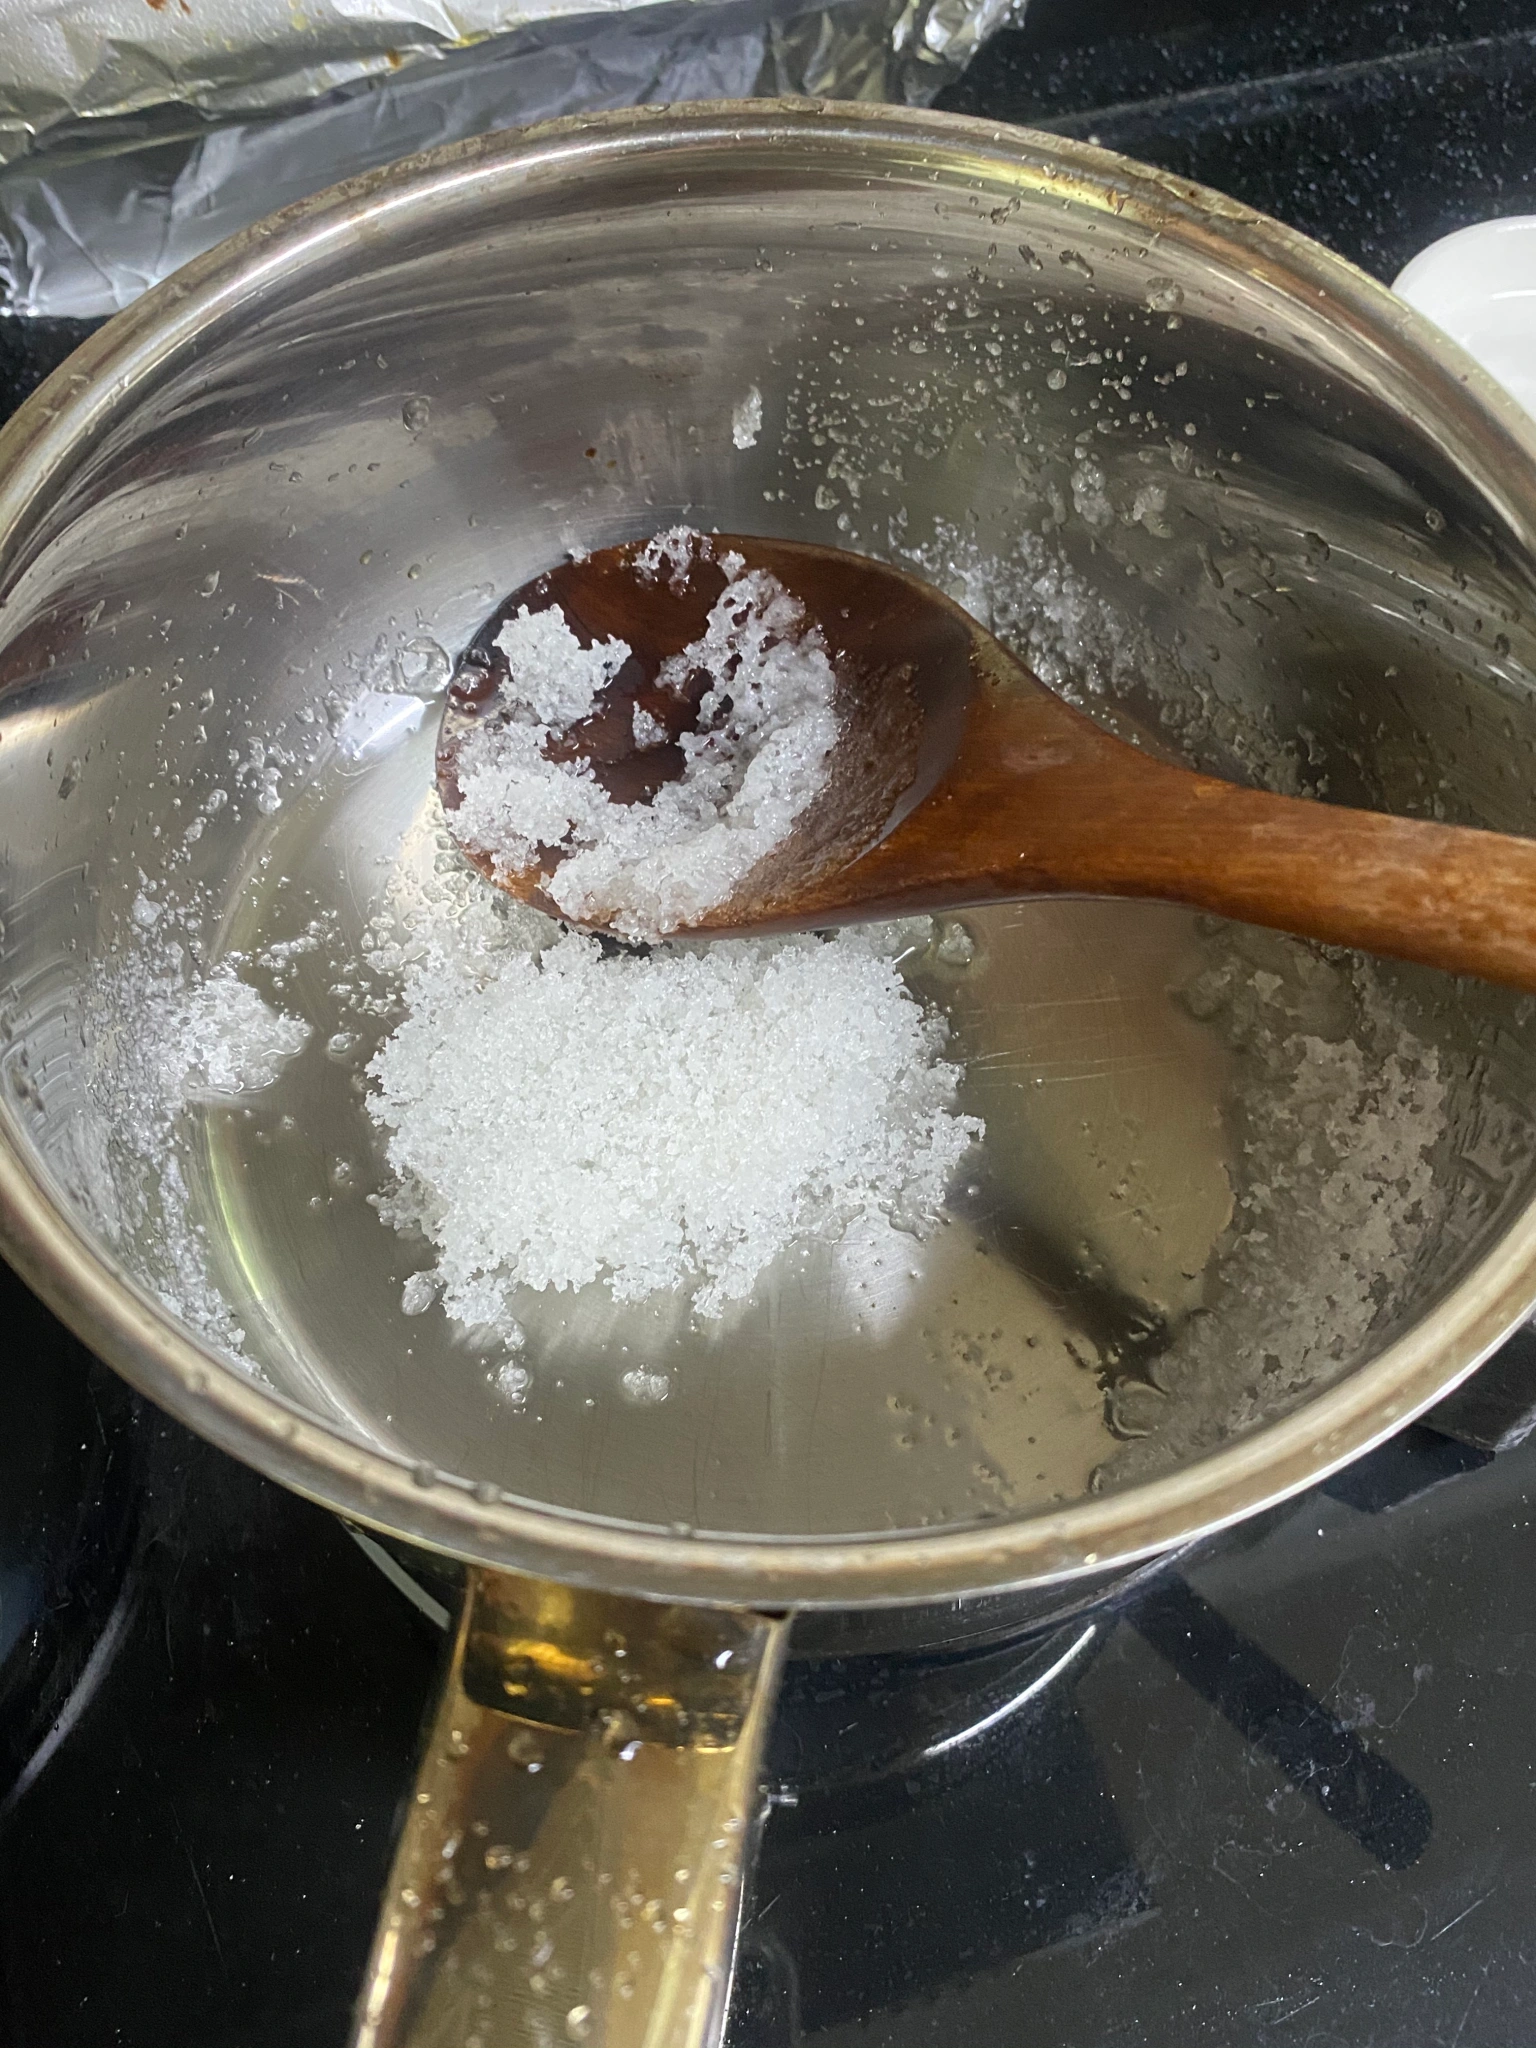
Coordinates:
1221 1170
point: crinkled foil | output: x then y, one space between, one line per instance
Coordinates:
136 133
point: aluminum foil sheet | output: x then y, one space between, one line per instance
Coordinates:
136 133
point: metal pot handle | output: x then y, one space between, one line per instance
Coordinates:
571 1866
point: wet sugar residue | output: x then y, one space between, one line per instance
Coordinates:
164 1036
756 751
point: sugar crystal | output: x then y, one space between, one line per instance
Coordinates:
555 677
747 419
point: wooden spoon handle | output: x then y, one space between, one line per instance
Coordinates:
1042 801
1444 895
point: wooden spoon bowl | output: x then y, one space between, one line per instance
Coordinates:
962 779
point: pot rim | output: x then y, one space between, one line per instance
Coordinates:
1471 417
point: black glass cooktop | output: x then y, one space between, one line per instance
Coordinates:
1282 1790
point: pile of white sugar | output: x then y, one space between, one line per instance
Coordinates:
757 758
556 1115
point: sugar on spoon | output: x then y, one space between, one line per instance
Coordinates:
961 779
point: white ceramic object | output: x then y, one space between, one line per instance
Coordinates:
1479 285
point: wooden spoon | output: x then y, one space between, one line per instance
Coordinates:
963 780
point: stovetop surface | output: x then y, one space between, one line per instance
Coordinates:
1283 1789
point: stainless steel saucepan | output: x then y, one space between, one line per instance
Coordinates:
1243 1207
